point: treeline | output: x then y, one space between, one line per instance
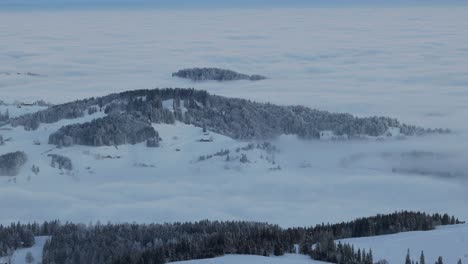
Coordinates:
161 243
133 243
384 224
236 118
174 242
216 74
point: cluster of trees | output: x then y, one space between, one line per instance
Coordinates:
267 147
11 163
151 109
60 161
15 236
216 74
236 118
327 250
133 243
113 129
422 259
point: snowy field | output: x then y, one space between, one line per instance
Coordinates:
404 63
450 242
235 259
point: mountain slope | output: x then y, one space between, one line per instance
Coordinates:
236 118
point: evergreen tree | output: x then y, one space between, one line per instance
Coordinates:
408 257
278 251
371 257
439 260
422 259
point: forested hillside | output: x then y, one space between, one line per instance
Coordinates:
236 118
161 243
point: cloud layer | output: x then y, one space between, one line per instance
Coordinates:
408 63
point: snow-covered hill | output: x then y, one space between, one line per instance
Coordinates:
450 242
195 175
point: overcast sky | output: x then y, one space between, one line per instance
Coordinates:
5 4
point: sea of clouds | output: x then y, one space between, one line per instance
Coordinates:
407 63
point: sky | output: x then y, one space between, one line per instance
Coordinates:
73 4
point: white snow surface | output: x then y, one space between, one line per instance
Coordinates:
249 259
450 242
19 256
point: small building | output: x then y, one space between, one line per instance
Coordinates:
330 135
206 138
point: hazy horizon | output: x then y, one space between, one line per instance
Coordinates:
8 5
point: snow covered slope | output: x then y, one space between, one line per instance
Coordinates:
19 257
190 177
248 259
450 242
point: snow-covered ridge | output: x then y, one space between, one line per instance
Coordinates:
236 118
301 171
126 118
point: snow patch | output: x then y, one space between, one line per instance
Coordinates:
250 259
